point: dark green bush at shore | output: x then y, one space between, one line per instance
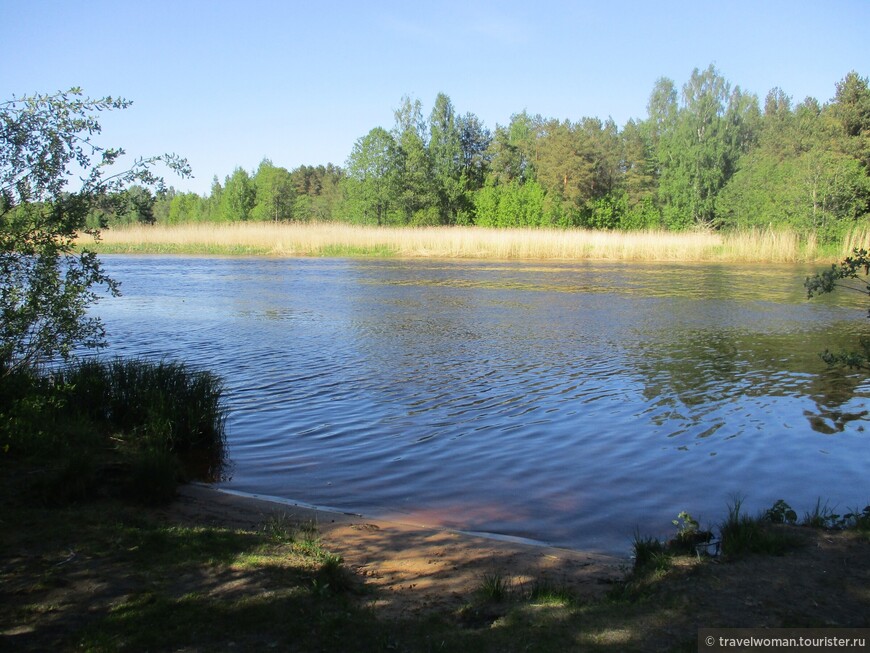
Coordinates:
130 426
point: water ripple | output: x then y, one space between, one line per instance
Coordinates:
571 403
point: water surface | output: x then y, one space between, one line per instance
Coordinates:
567 403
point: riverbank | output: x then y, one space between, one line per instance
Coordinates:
212 571
337 239
413 569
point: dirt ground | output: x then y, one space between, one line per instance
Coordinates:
412 568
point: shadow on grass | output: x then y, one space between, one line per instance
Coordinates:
103 576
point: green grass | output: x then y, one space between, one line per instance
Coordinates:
495 587
162 403
650 555
545 593
743 534
187 249
359 251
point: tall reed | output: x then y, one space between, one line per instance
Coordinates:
338 239
857 238
164 406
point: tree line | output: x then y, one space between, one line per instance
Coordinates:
707 155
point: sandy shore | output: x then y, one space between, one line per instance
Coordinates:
413 569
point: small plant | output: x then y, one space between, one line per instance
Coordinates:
780 513
686 524
545 593
689 534
333 576
822 516
280 528
495 587
306 541
859 521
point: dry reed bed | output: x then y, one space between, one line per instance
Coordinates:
470 242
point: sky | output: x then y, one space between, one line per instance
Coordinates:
229 83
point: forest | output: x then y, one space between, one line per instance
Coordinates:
707 155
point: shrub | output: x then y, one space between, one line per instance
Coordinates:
780 513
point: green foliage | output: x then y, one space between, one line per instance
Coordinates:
162 404
474 142
641 216
605 212
372 184
274 194
851 110
237 197
857 268
332 576
543 592
821 515
780 513
513 204
858 520
153 476
705 156
445 152
72 479
689 535
698 146
45 286
318 192
186 207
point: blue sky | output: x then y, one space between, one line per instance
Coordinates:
228 83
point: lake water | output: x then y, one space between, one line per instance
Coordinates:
568 403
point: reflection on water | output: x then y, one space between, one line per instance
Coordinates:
566 403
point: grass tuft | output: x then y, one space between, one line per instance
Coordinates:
544 593
332 576
650 555
743 534
821 516
495 587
